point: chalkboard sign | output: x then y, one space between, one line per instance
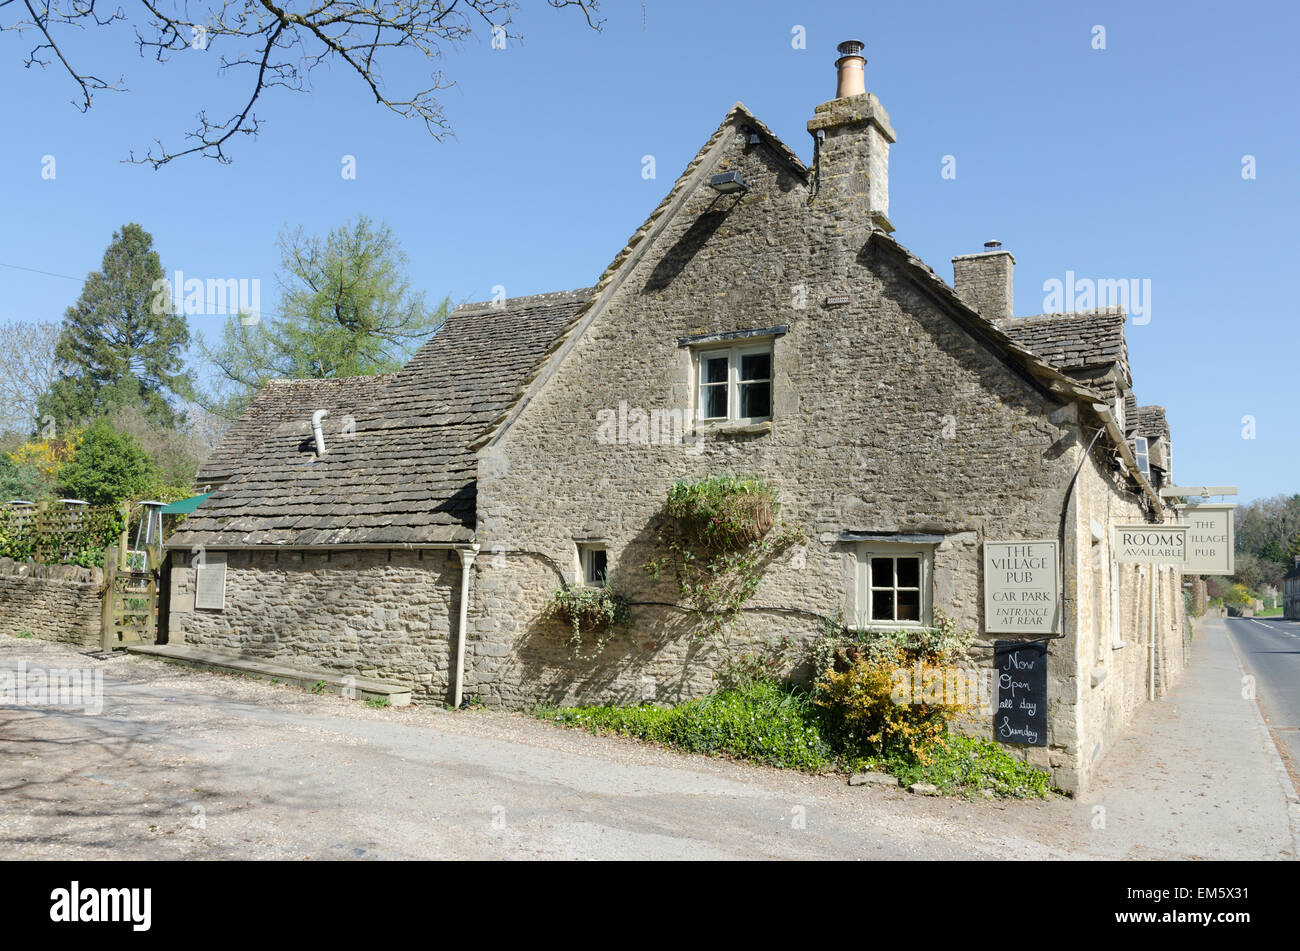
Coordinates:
1021 672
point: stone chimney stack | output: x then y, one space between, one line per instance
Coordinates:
852 136
983 281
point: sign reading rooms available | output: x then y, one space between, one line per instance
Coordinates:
1150 544
1022 592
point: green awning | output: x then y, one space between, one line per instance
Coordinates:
184 506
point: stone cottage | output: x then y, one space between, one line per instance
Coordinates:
1291 592
763 320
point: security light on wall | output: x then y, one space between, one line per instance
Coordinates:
728 183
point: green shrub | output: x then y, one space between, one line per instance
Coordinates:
964 762
761 722
108 467
874 686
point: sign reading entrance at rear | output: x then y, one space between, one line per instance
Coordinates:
1022 591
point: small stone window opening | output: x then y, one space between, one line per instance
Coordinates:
595 565
894 586
735 384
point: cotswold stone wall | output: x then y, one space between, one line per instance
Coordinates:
386 615
888 417
53 602
1116 623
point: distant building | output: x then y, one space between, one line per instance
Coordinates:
1291 592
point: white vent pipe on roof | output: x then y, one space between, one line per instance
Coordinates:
316 417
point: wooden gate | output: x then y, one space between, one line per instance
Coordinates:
130 597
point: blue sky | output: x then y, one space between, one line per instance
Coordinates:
1117 163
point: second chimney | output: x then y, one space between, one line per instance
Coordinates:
983 281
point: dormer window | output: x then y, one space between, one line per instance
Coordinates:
1141 450
734 384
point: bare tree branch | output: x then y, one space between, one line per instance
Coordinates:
281 43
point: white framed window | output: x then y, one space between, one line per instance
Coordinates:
894 585
594 561
1141 450
734 384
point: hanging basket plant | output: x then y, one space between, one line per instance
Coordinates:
723 513
722 532
588 611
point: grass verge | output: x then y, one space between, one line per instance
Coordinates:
765 723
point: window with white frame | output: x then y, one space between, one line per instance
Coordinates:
734 384
894 585
595 564
1140 449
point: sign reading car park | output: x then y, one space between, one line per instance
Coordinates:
1209 539
1150 544
1022 592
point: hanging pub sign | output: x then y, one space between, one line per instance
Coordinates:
1209 538
1021 672
1150 544
1022 591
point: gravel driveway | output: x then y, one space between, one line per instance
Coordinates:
189 764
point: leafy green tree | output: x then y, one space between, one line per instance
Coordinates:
346 309
20 481
122 341
109 466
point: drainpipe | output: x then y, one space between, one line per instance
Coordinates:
467 556
316 417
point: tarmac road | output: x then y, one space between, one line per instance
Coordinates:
1270 651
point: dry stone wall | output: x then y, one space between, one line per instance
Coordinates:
52 602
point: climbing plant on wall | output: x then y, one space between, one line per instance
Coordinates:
720 533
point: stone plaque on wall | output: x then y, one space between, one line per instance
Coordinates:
1150 544
1022 591
210 582
1209 539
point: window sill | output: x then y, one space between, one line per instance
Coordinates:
733 429
872 626
1116 647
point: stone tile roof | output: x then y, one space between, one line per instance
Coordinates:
1151 422
405 475
1074 342
284 403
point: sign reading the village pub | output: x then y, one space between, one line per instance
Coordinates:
1021 671
1022 593
1150 544
1209 539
